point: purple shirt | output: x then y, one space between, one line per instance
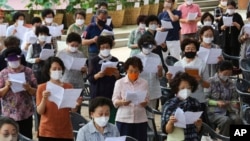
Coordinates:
18 105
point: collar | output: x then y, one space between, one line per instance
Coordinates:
107 59
93 130
188 5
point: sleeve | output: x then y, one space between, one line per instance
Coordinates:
9 30
117 93
86 33
2 81
80 135
24 41
165 116
92 71
70 29
32 79
199 11
211 102
220 24
29 54
160 16
131 39
240 20
39 93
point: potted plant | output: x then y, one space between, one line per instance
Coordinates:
116 15
34 4
153 7
131 13
144 8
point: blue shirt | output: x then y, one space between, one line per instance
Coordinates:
92 31
173 34
89 133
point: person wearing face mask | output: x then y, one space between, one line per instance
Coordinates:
48 20
79 27
34 50
152 22
220 10
230 42
9 42
170 14
223 100
189 27
207 19
74 77
102 5
14 29
190 48
136 34
183 85
102 81
9 129
98 128
18 105
206 38
94 30
30 36
244 39
150 59
55 124
131 118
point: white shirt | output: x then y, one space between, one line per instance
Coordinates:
27 35
151 78
197 63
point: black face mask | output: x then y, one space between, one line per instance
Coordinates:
101 23
190 54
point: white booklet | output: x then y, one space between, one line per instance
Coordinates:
192 16
17 80
166 24
184 118
160 37
106 32
136 97
72 63
56 31
63 98
227 21
209 56
46 53
121 138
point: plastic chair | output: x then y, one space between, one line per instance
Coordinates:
170 60
166 94
86 94
23 138
153 134
77 121
242 87
236 70
208 131
129 138
245 68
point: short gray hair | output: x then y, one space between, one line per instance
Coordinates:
102 11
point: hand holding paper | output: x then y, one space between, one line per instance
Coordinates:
228 21
106 32
192 16
166 24
160 37
109 65
136 97
17 80
46 53
56 31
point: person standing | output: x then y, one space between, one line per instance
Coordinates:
189 27
170 14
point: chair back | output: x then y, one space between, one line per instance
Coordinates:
77 120
245 67
129 138
23 138
170 60
207 130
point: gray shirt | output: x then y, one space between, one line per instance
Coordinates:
89 133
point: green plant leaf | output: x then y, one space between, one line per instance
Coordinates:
8 7
47 5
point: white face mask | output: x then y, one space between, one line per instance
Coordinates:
105 52
208 40
207 23
184 93
223 3
101 121
49 20
142 26
9 138
146 51
14 64
223 77
56 75
72 49
42 38
79 22
189 2
152 26
167 4
20 22
230 11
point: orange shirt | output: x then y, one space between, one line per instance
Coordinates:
54 123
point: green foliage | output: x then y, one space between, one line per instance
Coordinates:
4 5
42 3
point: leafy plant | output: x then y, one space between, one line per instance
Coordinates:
4 5
84 4
32 5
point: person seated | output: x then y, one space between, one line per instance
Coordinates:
98 129
9 129
183 85
223 100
